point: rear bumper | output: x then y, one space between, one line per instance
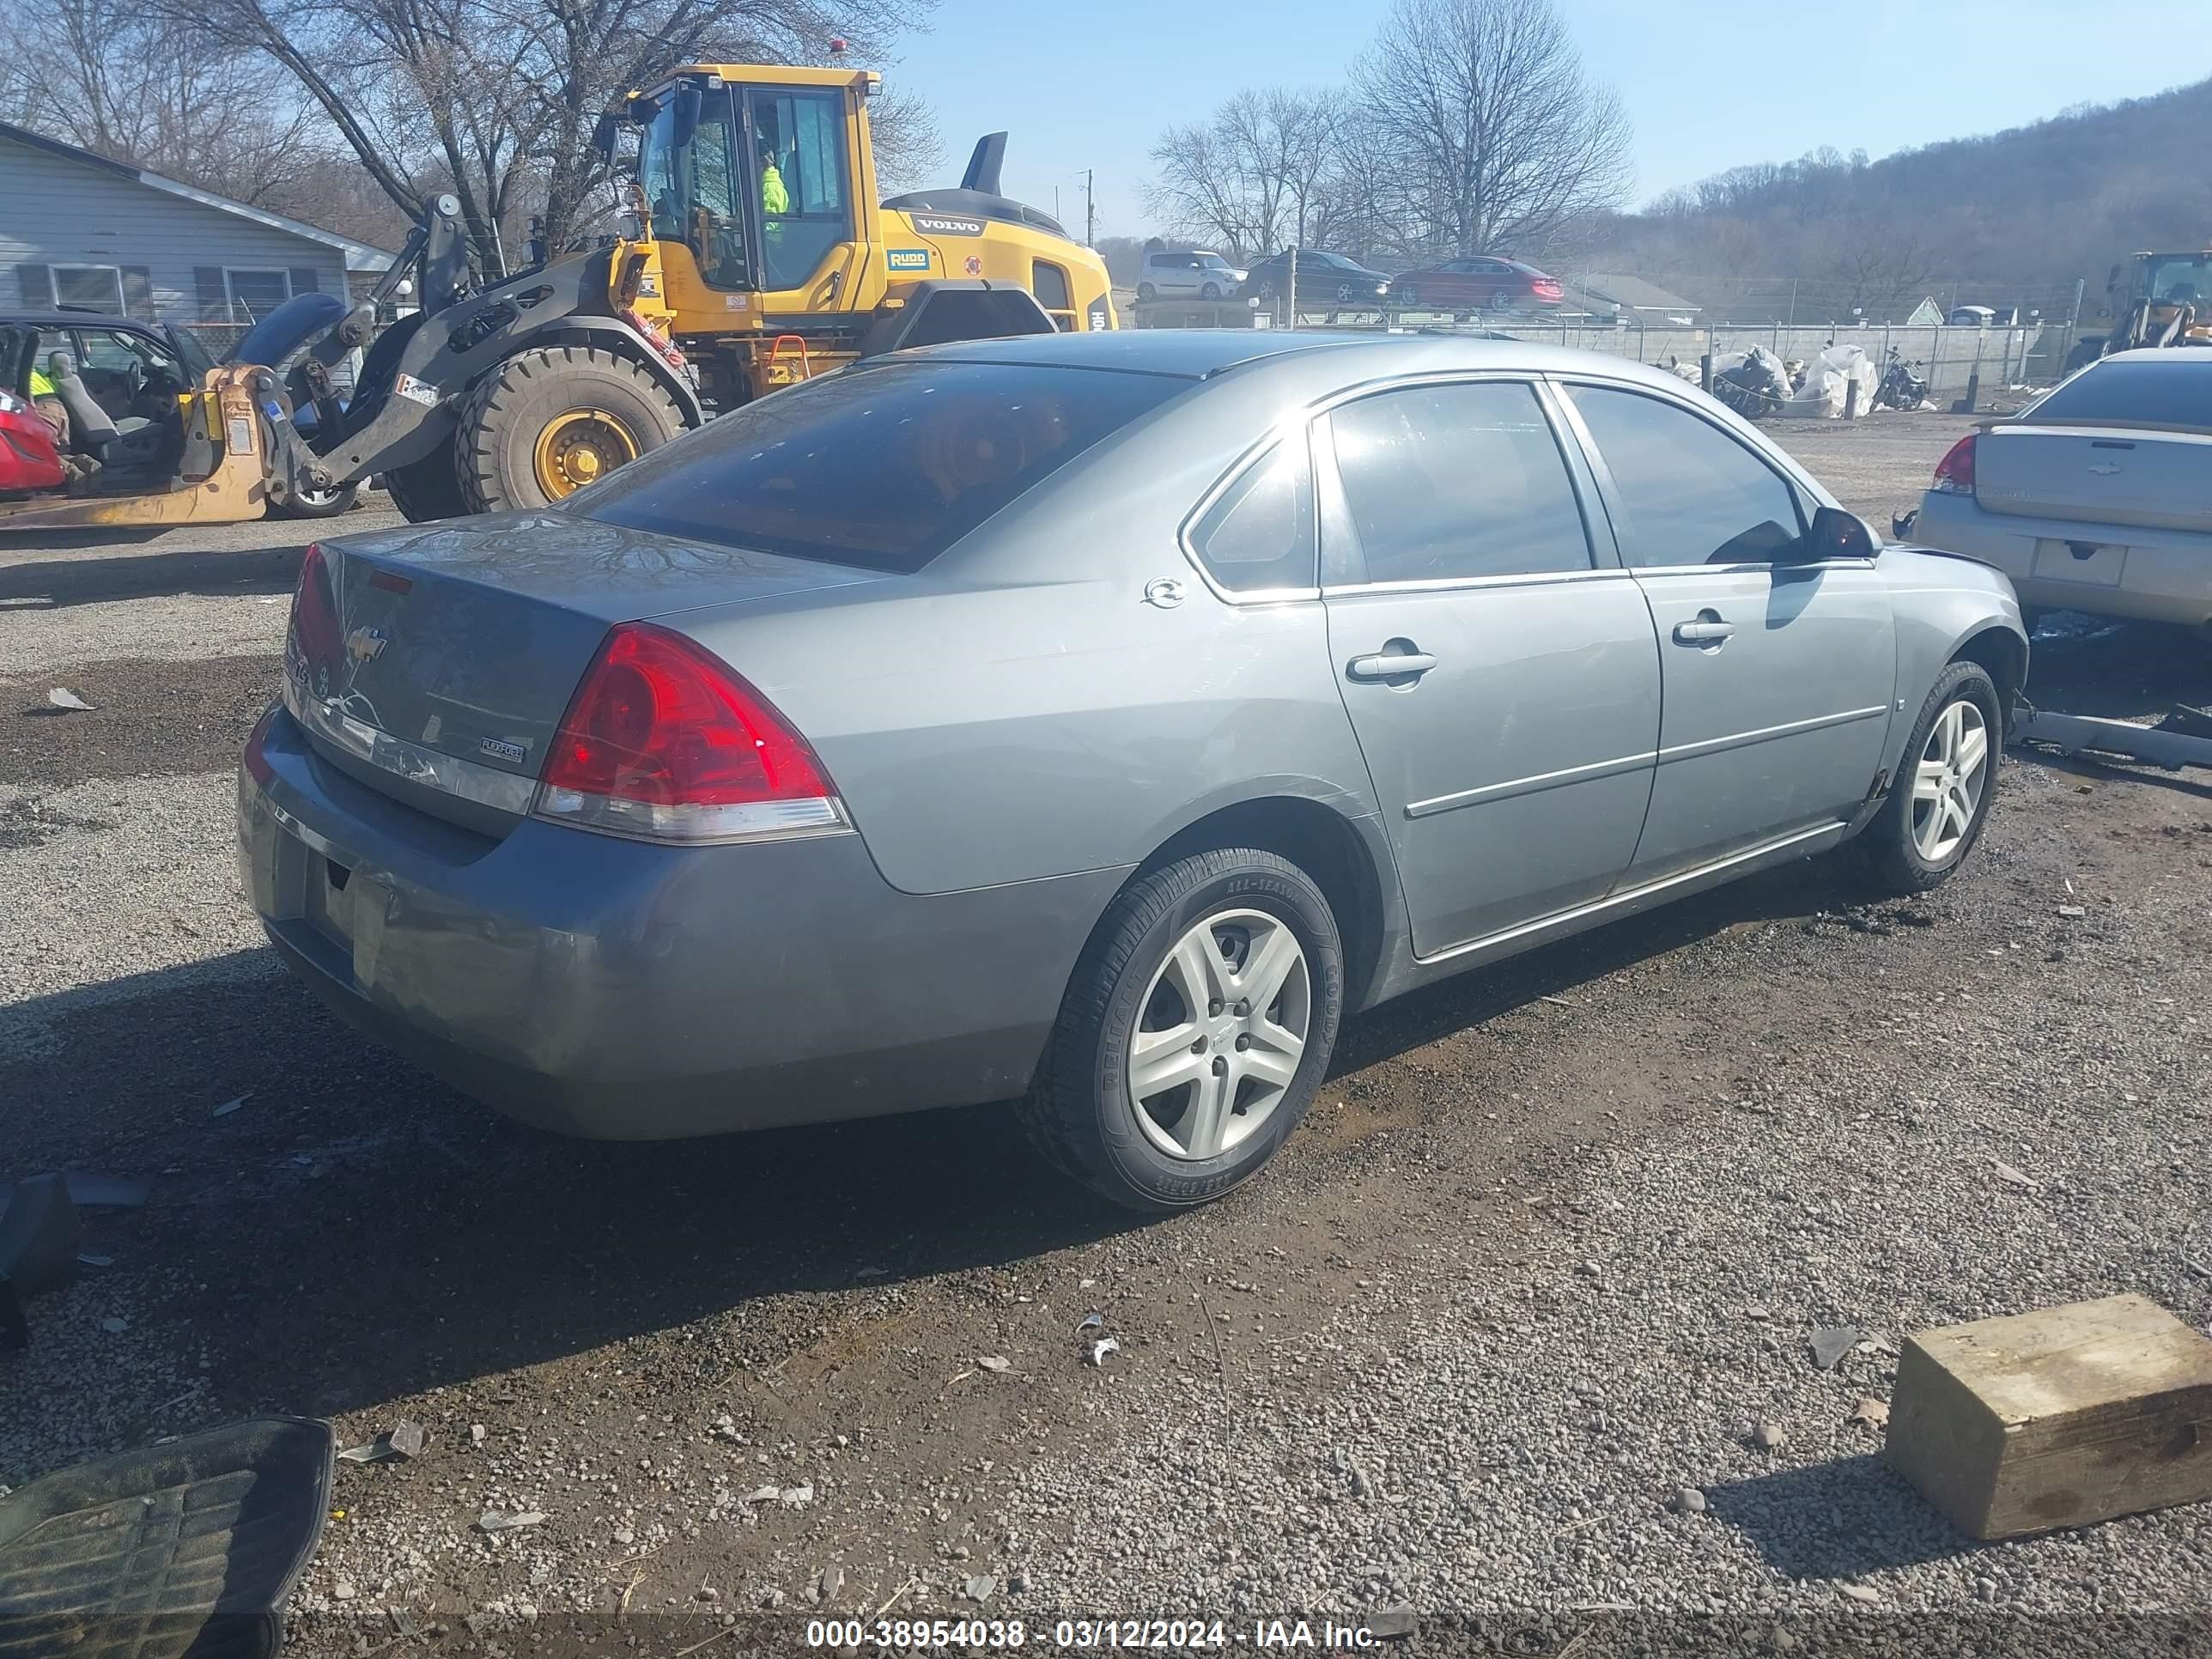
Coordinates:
622 990
2166 576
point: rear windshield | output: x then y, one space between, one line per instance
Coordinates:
2174 392
883 467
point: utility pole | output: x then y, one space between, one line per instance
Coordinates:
1089 210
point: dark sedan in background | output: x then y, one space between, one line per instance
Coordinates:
1323 279
1095 720
1477 284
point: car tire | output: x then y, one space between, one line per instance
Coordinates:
1084 1113
317 504
1146 294
529 425
1408 298
1267 290
1895 852
428 489
1210 291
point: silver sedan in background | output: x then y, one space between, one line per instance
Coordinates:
1094 720
2095 497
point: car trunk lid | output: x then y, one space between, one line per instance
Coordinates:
435 664
2097 474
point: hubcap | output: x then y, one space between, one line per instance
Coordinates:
1219 1034
1948 783
580 447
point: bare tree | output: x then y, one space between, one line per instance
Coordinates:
1495 139
108 76
1263 173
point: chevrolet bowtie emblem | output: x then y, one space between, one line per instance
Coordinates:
2106 469
365 645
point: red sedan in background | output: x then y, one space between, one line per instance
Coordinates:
1476 284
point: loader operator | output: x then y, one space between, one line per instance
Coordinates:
48 403
775 200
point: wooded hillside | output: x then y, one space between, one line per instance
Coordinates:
2019 214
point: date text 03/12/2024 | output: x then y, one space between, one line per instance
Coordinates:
1168 1635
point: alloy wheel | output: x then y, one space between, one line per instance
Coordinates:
1220 1031
1948 783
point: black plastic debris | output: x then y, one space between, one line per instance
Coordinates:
41 1234
188 1548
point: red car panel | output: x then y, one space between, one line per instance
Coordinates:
28 460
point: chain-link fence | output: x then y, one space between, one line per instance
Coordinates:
1954 361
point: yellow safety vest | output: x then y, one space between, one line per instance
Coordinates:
774 198
41 386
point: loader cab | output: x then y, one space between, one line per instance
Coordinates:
754 189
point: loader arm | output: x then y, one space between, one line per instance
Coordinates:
410 405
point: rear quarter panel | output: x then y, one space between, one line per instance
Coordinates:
1018 711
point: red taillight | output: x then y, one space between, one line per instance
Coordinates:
663 740
312 649
255 761
1954 473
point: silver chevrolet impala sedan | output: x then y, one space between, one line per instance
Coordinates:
1094 720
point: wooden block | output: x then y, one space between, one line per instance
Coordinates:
2055 1419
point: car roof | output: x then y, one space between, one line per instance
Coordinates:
2156 354
1191 353
1199 354
51 319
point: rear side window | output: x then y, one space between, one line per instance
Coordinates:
1693 495
1259 535
1050 283
1451 482
2178 392
883 467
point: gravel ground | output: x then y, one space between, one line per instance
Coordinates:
1554 1242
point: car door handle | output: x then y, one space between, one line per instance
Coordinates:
1704 631
1391 665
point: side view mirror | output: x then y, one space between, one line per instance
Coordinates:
1835 534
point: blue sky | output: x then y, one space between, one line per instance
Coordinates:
1709 83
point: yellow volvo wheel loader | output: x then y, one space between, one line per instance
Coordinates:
758 256
2152 300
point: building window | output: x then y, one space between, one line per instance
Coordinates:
93 288
254 294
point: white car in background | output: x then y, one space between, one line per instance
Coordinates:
2097 496
1191 273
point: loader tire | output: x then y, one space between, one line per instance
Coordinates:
544 423
428 488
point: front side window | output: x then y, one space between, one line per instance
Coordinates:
883 466
801 137
1454 481
1050 283
1259 535
121 369
1692 493
2184 280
